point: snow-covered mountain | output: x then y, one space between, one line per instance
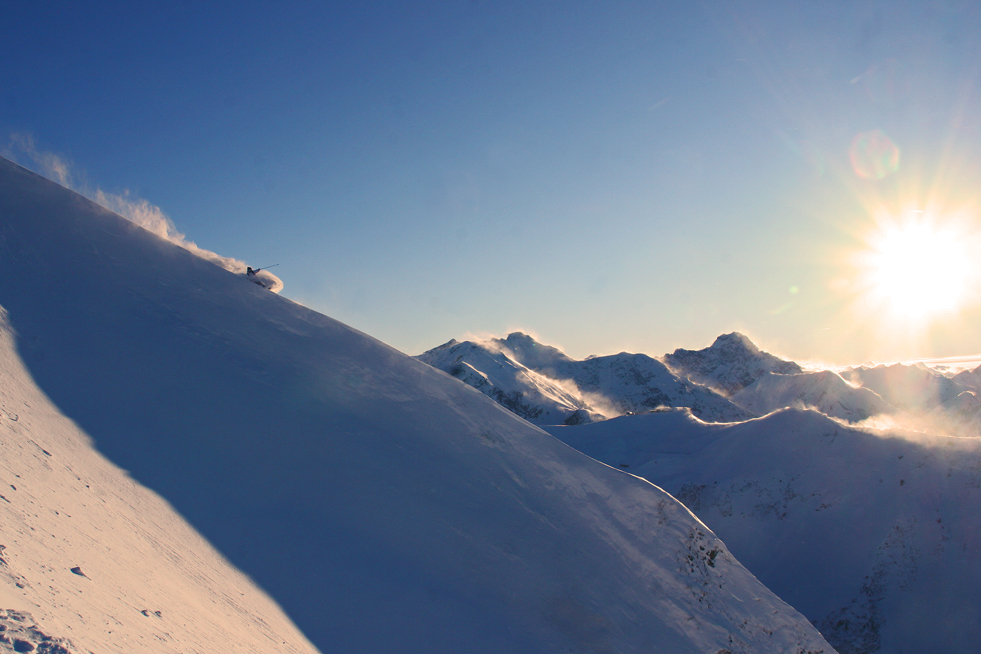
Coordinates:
970 379
874 536
928 399
527 393
545 386
731 363
637 383
384 506
912 387
824 391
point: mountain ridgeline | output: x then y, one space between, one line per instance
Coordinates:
544 386
730 381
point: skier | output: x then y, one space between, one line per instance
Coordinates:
251 274
252 277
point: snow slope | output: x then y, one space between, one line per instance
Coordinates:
97 561
543 385
382 504
874 536
731 363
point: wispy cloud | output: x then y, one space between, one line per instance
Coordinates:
23 150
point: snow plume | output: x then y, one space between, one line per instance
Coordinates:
23 151
928 428
51 165
596 402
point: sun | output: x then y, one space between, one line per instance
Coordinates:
917 270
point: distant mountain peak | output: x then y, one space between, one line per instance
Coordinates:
735 341
730 364
531 353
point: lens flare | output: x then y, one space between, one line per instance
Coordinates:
917 270
873 155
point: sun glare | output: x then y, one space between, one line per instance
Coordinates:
917 270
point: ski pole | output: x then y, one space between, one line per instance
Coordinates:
268 267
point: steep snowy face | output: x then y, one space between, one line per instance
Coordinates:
873 536
824 391
731 363
515 371
383 505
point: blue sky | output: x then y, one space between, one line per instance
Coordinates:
606 176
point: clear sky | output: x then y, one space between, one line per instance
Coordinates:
612 176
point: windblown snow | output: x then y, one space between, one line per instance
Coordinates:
185 452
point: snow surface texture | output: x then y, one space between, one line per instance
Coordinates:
543 385
383 505
101 562
874 536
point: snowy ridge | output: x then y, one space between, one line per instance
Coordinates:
543 385
872 535
731 363
383 505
